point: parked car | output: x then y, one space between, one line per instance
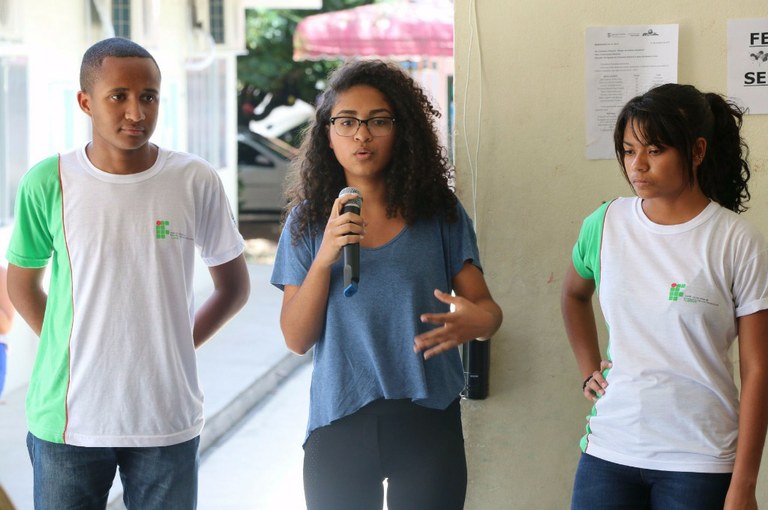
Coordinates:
262 166
285 122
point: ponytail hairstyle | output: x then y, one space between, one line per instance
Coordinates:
419 175
675 116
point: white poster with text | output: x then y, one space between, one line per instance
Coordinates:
621 63
748 63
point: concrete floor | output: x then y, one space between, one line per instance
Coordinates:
258 465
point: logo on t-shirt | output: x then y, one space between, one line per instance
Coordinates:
676 291
676 294
163 232
161 229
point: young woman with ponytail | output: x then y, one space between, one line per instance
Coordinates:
679 275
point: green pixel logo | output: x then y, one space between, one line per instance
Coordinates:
676 291
161 229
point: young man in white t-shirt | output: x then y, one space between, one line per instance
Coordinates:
115 379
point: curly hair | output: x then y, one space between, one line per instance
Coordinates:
675 115
419 174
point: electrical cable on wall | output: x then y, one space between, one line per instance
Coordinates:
472 163
475 353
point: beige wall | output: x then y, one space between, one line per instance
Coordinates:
534 186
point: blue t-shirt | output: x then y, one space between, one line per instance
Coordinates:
365 352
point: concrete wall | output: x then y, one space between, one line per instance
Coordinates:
520 83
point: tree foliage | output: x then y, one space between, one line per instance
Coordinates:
268 77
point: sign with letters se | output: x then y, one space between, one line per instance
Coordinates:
748 63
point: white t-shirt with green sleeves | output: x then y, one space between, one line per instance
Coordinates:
671 296
116 363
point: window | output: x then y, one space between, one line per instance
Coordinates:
13 131
206 112
121 18
216 12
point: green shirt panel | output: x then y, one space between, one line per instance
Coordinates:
39 238
586 261
586 251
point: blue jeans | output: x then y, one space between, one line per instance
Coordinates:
604 485
76 477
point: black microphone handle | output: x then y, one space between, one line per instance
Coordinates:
351 268
351 258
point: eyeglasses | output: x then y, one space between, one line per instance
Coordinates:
348 126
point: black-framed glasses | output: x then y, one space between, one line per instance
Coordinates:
348 126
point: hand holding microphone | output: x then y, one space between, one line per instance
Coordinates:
351 251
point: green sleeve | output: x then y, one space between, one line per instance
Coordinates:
36 213
586 251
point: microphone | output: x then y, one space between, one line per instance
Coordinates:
351 251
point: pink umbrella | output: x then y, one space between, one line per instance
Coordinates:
405 30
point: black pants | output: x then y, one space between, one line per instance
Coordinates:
420 451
